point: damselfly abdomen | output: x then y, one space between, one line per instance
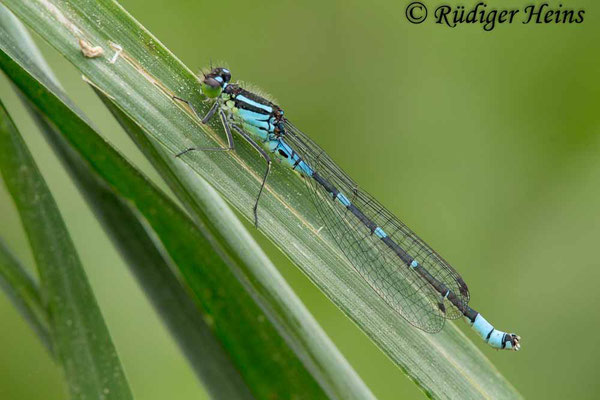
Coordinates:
410 276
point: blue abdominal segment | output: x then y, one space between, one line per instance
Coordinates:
495 338
289 158
342 199
380 233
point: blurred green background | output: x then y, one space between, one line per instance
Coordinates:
485 143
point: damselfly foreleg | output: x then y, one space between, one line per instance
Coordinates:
204 120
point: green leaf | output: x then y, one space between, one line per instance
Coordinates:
81 340
152 268
25 294
143 254
259 348
141 82
146 259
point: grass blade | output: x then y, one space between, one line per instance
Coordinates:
25 294
152 269
142 80
81 340
255 344
143 253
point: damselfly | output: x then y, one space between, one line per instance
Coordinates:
404 271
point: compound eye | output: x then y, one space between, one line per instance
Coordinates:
211 87
211 82
225 74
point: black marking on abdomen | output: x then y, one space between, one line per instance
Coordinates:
283 153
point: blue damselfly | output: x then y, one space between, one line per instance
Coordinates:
410 276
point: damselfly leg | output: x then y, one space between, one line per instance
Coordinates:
265 155
204 120
231 144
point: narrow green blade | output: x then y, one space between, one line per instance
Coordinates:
151 266
81 339
25 294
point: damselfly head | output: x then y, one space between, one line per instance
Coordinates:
214 82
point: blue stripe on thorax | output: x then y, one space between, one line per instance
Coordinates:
257 132
264 122
253 103
250 115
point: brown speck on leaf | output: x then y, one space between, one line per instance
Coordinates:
90 51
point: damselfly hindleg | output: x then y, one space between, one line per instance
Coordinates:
267 158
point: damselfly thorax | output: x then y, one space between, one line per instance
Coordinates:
263 117
264 121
